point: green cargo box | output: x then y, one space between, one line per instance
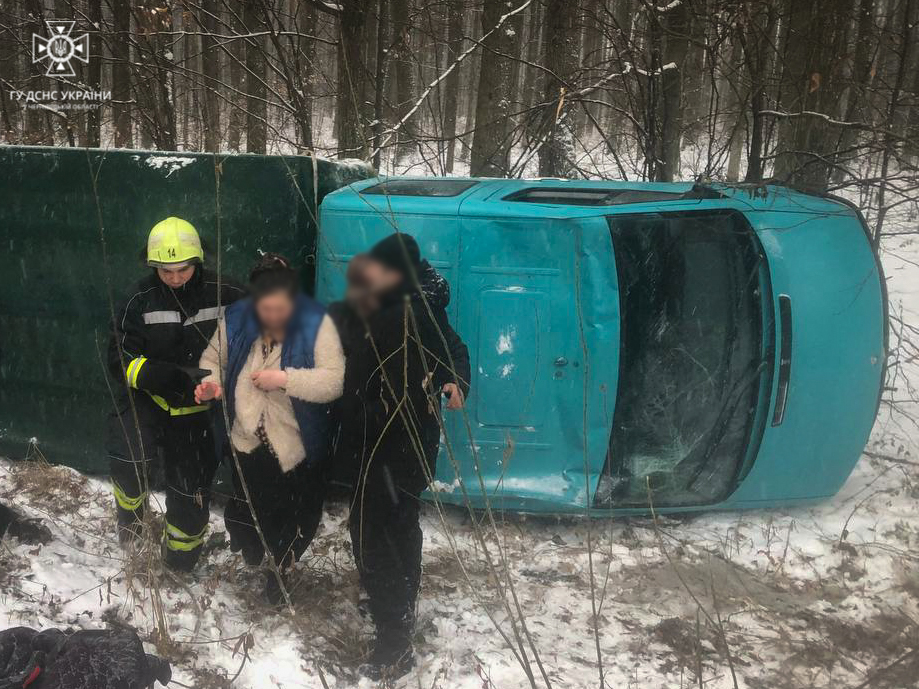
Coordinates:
73 223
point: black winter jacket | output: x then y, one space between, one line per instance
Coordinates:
170 327
85 659
397 403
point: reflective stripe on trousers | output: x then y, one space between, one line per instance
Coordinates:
176 539
125 501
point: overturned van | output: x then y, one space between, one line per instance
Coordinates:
675 345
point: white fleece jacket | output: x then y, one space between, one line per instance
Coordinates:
322 384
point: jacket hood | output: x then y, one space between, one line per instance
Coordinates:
433 285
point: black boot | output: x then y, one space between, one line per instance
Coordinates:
392 655
250 546
181 561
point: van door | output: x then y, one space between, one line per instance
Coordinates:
517 315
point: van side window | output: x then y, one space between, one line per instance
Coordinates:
693 360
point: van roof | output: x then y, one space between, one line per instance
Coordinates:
560 197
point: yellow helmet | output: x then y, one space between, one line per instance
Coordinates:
172 241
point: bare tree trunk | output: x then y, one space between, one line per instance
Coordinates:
379 82
37 129
94 72
452 83
856 107
305 17
10 112
756 40
121 73
403 71
695 91
71 121
491 140
814 42
534 34
622 14
352 81
470 86
182 86
737 99
256 104
906 39
560 59
154 71
591 56
674 21
210 68
912 123
239 81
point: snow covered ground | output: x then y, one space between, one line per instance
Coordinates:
813 597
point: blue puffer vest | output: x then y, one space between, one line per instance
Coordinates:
297 352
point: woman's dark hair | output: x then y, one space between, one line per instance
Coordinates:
273 273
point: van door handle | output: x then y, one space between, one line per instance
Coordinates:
781 396
561 361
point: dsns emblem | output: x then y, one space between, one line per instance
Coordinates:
60 48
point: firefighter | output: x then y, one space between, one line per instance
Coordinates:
159 333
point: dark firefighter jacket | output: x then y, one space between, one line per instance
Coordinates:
159 329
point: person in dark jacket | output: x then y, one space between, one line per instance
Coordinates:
277 361
159 333
84 659
350 316
390 432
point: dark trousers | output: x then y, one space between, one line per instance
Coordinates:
386 539
288 507
189 461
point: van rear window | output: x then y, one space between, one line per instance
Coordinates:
421 187
567 196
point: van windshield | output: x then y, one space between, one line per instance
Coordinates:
694 365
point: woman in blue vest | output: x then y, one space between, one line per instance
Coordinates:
277 362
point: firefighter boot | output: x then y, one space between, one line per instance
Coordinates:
181 550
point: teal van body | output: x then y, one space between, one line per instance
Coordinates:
639 344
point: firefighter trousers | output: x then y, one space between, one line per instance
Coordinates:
184 445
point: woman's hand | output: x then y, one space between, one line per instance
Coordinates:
208 391
269 380
454 396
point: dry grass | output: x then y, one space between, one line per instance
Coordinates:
55 489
